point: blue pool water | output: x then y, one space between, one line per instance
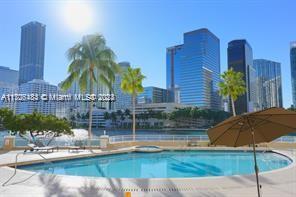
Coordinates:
166 164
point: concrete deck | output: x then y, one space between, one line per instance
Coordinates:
281 182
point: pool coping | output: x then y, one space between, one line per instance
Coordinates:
124 150
193 186
286 154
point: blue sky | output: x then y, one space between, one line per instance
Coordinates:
140 31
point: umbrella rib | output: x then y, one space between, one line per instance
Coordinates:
262 121
275 123
223 133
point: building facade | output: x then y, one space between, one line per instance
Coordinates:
240 59
193 70
77 107
8 85
293 71
38 87
32 52
123 100
155 95
269 84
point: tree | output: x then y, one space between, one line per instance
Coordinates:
232 85
35 124
127 113
106 116
132 84
91 62
113 117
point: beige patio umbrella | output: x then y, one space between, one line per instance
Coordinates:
253 128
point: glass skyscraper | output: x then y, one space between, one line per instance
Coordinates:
240 59
123 100
293 70
8 85
193 69
269 84
155 95
32 52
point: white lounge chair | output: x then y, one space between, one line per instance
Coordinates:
34 147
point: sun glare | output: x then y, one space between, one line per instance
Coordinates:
78 15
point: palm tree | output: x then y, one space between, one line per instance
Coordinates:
232 85
91 62
132 84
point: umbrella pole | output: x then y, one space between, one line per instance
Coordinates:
255 160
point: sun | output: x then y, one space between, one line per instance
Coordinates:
78 15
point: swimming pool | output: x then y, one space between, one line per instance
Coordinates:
166 164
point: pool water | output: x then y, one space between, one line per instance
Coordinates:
166 164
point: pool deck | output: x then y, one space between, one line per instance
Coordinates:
281 182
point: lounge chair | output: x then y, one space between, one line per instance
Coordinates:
39 146
78 144
193 142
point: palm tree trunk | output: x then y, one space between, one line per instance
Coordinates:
90 114
134 118
233 107
110 102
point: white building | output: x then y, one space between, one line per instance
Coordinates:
98 119
74 107
39 87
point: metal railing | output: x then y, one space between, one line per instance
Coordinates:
20 142
185 138
286 139
142 138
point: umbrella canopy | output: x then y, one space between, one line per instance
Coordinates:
267 125
252 128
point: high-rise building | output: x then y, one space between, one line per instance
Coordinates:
40 88
240 59
8 85
269 84
155 95
193 69
293 70
32 52
77 106
123 100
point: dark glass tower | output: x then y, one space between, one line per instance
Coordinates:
293 71
32 52
240 58
269 84
193 69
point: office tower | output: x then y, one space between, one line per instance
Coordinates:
293 71
193 69
40 88
123 100
240 59
8 85
32 52
269 84
155 95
